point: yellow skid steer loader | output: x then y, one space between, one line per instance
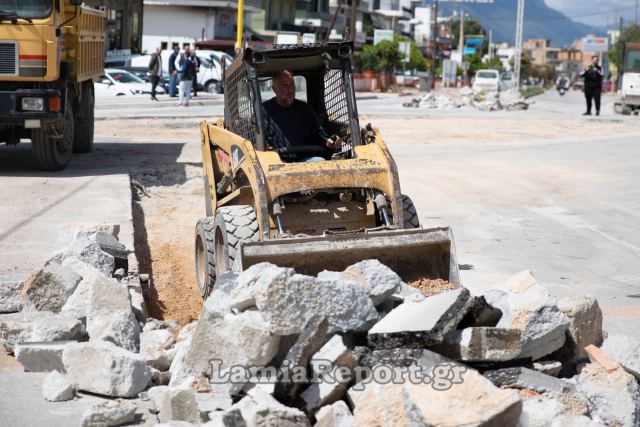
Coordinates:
312 216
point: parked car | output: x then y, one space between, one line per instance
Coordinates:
487 81
506 81
119 82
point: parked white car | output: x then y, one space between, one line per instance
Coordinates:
210 74
487 81
117 82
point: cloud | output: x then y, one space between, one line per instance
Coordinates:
595 12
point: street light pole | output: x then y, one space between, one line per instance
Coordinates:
434 55
518 51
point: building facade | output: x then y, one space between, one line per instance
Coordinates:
124 24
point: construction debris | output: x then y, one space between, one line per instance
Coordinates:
625 350
110 413
509 100
10 297
431 287
56 388
41 356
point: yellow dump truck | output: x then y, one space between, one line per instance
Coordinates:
50 53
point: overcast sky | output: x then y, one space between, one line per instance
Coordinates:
595 12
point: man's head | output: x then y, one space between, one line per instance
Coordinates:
158 50
595 59
284 87
176 48
187 49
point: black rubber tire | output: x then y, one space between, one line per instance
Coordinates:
411 219
213 86
218 240
204 256
53 154
83 138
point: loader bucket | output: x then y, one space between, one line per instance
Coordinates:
412 254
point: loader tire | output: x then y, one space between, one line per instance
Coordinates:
83 139
411 219
53 154
205 256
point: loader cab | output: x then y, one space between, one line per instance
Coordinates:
323 78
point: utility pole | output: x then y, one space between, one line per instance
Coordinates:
461 38
518 50
490 45
636 12
434 56
352 25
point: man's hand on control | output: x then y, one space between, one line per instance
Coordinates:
334 145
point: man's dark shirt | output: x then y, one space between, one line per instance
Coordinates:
297 122
592 77
172 62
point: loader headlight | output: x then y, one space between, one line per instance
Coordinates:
32 104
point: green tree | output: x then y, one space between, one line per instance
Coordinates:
628 34
385 56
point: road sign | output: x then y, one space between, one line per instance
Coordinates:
308 38
469 50
595 44
379 35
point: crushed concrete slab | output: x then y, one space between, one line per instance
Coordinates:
110 413
101 367
96 294
48 288
56 388
482 344
626 350
378 281
421 324
585 326
10 297
220 342
261 409
574 421
471 401
175 404
613 398
89 251
41 356
525 378
212 402
425 359
408 293
119 327
540 412
287 303
313 336
480 314
335 415
153 346
548 367
38 326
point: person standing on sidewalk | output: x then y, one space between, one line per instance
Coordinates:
187 71
196 64
155 70
592 85
173 71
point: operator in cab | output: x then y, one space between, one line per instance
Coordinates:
296 119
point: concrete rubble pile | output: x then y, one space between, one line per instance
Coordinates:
508 100
358 347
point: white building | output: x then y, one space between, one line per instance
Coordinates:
180 22
506 54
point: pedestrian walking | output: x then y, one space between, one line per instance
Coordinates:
155 70
187 70
173 71
592 85
196 64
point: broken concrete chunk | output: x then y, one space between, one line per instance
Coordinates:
288 302
10 297
378 281
540 412
406 293
626 350
613 398
89 251
335 415
471 401
38 326
119 327
101 367
574 421
425 359
421 324
153 346
41 356
85 270
313 336
585 326
175 404
110 413
548 367
56 388
48 288
524 378
211 402
480 314
96 294
482 344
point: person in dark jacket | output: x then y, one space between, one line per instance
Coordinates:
187 71
592 85
196 64
155 71
173 71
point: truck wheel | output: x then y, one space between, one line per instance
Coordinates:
411 219
53 154
83 138
213 86
218 240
